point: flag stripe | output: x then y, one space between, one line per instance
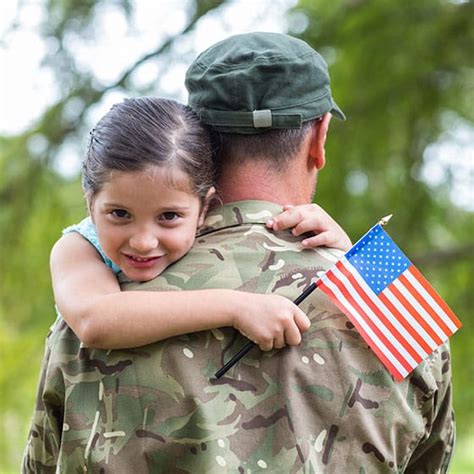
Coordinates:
421 336
355 301
334 294
433 298
375 314
422 306
399 328
349 312
371 319
409 308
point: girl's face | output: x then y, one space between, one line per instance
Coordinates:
145 223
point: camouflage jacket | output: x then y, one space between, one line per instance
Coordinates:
327 405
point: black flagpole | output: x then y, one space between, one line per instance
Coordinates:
384 221
250 345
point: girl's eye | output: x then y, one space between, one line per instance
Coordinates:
169 216
120 213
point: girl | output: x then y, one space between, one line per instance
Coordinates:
148 182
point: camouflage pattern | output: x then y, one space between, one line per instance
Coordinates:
327 405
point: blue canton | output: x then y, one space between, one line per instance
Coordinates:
378 259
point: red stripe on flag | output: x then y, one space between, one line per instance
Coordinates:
391 368
415 334
368 320
424 304
383 319
409 308
432 292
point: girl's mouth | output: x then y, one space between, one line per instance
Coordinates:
141 262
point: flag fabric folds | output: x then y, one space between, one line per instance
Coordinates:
394 308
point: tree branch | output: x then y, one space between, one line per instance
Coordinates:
14 24
90 94
201 11
438 257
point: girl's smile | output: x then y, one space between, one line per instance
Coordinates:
141 262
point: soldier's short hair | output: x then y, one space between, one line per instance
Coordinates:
276 147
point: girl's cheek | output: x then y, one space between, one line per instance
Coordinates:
191 238
111 240
186 244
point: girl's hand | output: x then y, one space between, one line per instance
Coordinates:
271 321
311 218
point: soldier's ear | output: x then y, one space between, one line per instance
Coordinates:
319 132
211 193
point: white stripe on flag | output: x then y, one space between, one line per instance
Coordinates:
375 340
386 312
413 322
433 304
419 309
371 315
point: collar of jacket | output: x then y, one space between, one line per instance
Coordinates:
238 213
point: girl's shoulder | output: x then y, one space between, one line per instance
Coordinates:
87 229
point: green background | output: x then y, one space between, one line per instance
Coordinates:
403 74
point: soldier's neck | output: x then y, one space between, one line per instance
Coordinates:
253 182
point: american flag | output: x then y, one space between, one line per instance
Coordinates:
394 308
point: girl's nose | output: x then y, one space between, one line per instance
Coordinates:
144 241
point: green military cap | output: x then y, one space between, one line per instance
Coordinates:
254 82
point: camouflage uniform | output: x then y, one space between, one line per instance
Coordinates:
327 405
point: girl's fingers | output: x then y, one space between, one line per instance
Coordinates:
302 321
286 220
319 240
293 336
266 346
328 239
294 215
279 341
307 225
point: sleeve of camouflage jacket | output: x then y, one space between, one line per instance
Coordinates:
434 451
44 438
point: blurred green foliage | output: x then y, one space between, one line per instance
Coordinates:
402 72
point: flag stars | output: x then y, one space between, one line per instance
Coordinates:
378 259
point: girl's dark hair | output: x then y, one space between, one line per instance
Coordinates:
140 132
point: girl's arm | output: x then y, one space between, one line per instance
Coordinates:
88 297
312 218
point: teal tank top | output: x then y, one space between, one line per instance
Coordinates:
87 229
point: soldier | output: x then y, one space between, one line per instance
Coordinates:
327 405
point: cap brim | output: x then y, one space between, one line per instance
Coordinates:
337 112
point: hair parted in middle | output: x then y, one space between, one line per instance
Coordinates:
149 131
